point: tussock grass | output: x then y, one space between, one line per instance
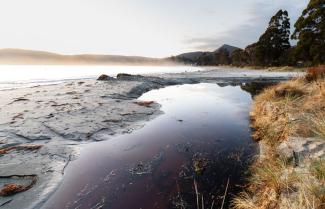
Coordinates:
270 174
269 180
244 201
292 108
318 169
290 90
315 73
319 126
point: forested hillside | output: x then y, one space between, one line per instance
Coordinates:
273 47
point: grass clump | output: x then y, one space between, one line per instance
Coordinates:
295 108
269 179
319 126
270 174
315 73
318 169
244 201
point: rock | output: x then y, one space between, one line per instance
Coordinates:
298 148
104 77
129 77
123 75
144 87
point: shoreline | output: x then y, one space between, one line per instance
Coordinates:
288 123
9 84
59 118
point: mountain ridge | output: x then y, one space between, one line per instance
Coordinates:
14 56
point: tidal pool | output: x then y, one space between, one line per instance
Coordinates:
202 138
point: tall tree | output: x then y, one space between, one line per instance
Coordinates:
310 32
273 43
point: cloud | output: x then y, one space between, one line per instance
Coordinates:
249 31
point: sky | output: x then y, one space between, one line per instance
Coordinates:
153 28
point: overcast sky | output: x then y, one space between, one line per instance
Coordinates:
154 28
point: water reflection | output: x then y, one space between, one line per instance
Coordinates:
254 88
203 134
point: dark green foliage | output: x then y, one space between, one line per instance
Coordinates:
273 44
239 57
219 57
206 58
253 54
310 33
273 47
222 57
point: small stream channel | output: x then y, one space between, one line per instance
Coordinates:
203 137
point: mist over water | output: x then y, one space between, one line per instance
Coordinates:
28 75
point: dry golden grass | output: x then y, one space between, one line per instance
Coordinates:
319 125
315 73
244 201
277 69
269 179
270 174
292 108
317 168
296 107
280 186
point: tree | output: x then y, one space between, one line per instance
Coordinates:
273 43
310 33
239 57
221 57
206 58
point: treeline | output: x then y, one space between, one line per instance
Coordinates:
273 47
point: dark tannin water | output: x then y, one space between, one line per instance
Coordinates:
202 138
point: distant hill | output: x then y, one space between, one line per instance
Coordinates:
205 58
31 57
230 49
190 56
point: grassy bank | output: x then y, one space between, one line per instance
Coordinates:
289 122
278 69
